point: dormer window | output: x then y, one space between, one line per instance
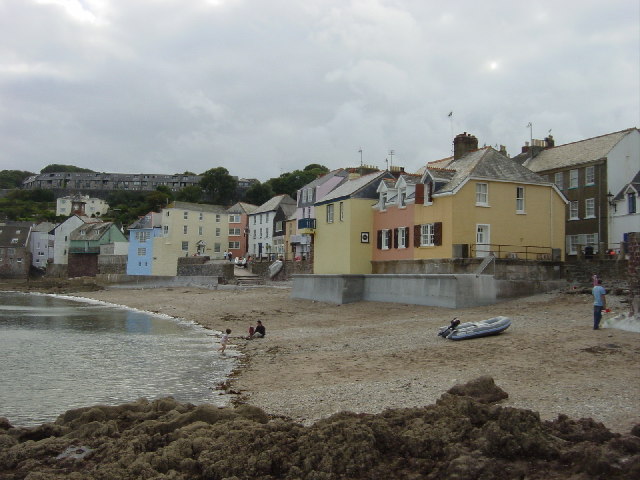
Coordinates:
383 200
402 197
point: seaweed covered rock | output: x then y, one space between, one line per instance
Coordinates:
465 435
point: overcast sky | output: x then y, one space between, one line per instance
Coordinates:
262 87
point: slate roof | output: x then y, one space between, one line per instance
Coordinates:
242 207
272 204
576 153
92 231
198 207
351 188
340 172
484 163
635 182
9 233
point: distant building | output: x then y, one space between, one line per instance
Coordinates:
81 205
239 228
141 235
109 181
15 258
591 173
85 243
267 226
41 245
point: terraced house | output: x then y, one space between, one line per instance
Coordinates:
593 174
476 204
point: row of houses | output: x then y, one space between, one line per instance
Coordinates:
549 202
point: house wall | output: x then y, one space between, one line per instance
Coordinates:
542 224
83 265
61 239
15 262
439 211
168 248
391 218
141 264
241 239
261 233
623 161
338 246
41 246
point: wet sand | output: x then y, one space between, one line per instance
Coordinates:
319 359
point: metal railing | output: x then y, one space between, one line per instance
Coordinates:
306 223
523 252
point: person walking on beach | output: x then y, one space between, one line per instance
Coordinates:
599 303
224 340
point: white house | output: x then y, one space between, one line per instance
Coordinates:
62 235
624 216
41 244
82 205
267 226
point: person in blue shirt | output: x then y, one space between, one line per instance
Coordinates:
599 303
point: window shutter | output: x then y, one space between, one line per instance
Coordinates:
406 235
416 235
419 193
379 239
395 238
437 233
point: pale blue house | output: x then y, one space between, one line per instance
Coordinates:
141 235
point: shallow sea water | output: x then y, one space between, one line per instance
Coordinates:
57 353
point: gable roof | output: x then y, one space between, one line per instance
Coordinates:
198 207
484 163
9 233
242 207
273 203
356 187
340 172
90 231
576 153
635 183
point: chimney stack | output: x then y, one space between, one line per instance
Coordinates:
463 144
550 142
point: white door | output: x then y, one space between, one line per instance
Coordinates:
483 240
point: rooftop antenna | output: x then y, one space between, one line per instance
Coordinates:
451 126
360 152
530 127
387 162
391 152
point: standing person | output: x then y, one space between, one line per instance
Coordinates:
224 340
599 303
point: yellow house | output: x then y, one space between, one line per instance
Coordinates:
485 203
189 229
344 219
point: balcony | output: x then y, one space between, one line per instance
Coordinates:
307 225
84 249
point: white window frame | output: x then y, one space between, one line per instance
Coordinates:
234 232
330 213
590 208
200 230
341 214
165 229
234 245
234 218
185 246
402 237
573 178
384 244
590 175
520 200
186 215
482 194
185 229
558 180
574 214
218 218
427 235
574 240
142 251
217 231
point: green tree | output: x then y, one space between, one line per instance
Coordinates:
166 190
13 178
192 194
55 167
290 182
219 186
258 193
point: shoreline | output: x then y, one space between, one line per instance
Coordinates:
320 359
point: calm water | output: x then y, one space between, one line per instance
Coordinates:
57 354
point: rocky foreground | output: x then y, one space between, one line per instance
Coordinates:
465 435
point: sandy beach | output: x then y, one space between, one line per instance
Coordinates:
319 359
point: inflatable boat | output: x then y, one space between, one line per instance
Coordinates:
483 328
275 268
